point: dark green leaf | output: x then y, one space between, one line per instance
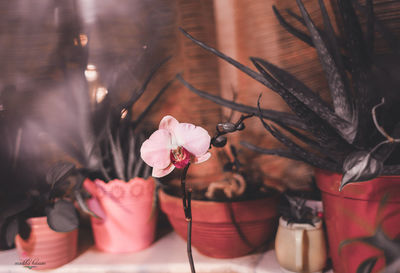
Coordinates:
360 166
62 217
367 265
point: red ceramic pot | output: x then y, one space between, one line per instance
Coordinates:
46 248
128 218
353 213
213 231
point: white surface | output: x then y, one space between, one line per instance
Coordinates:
167 255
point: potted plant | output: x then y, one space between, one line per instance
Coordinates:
122 196
42 220
300 241
244 214
357 161
177 145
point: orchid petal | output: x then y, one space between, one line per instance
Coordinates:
194 139
156 150
202 158
163 172
168 123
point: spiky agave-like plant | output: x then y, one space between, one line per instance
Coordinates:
348 136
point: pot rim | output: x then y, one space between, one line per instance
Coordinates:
372 190
221 212
305 226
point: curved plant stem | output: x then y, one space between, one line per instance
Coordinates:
187 208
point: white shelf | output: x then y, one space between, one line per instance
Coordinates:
166 255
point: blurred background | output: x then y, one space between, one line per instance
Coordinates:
119 41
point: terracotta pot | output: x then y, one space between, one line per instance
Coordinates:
353 212
301 247
46 248
127 216
213 231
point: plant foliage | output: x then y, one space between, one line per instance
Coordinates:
347 136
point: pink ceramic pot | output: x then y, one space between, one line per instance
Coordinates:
46 248
126 209
213 231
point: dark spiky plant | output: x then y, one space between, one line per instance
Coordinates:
350 136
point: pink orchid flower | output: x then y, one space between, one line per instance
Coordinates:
173 145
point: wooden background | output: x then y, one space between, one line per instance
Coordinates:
128 37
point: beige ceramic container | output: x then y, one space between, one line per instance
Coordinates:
301 247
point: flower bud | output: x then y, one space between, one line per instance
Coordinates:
219 141
227 127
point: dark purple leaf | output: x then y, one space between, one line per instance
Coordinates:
336 76
62 217
288 119
367 265
151 104
298 151
59 172
379 240
278 152
11 231
138 93
326 134
346 129
292 30
360 166
82 204
118 159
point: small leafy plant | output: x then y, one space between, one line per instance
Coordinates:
295 210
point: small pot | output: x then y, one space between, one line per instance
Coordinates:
127 214
301 247
224 229
46 248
